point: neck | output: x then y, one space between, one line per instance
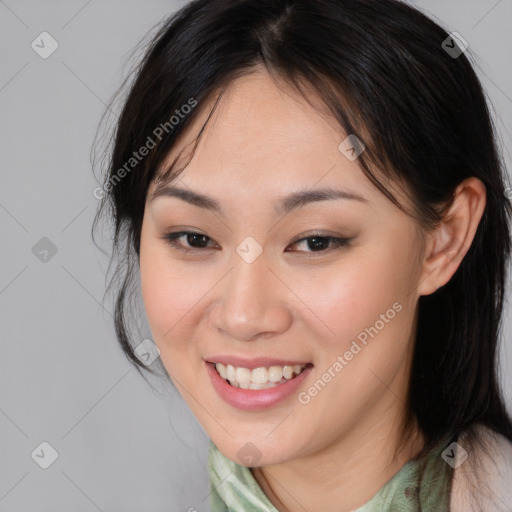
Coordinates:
344 475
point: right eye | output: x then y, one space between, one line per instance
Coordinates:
196 241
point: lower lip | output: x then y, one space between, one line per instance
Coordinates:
254 399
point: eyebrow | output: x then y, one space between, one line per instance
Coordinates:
291 202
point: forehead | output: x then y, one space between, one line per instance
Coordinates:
265 140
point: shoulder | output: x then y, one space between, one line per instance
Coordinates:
483 481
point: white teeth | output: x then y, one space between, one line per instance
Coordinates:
243 375
252 385
275 373
258 378
287 372
230 372
222 371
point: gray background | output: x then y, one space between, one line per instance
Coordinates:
121 444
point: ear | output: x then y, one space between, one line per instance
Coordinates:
449 242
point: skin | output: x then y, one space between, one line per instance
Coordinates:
263 142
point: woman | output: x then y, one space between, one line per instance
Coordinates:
313 196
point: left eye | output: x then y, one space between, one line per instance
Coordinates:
322 243
198 241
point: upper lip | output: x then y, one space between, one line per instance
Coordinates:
255 362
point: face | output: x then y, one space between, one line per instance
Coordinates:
326 286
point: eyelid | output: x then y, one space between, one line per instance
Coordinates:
317 234
336 241
173 235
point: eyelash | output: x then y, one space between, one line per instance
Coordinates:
335 243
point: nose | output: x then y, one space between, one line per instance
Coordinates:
251 302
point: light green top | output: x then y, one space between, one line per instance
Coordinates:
422 485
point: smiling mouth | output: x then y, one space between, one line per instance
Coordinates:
259 378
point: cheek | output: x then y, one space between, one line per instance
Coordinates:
363 340
354 294
174 296
167 293
169 296
369 309
368 312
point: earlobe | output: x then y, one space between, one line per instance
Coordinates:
450 241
